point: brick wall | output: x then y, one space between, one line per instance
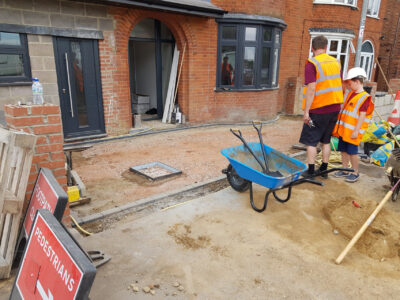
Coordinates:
259 7
45 122
56 14
47 13
43 66
394 84
384 106
389 54
196 95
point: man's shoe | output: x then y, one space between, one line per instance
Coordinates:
341 174
352 177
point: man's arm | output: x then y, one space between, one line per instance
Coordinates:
309 99
361 119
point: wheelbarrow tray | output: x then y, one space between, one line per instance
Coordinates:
247 167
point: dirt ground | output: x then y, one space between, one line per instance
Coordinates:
104 168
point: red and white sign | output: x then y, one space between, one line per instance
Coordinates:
43 196
47 270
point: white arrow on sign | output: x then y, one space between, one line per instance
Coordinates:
42 292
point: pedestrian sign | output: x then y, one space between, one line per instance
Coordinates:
46 194
53 265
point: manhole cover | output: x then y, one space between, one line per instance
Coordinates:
155 170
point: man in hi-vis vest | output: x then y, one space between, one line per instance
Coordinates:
323 95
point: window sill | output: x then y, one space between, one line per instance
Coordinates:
374 17
17 83
340 4
219 90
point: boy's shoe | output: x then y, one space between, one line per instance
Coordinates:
352 177
341 174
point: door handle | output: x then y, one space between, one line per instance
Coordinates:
69 85
64 91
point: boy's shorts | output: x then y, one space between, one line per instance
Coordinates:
324 124
350 149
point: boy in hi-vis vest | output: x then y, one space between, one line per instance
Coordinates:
353 120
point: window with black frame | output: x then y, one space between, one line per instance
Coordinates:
248 56
14 58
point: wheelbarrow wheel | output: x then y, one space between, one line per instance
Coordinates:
238 183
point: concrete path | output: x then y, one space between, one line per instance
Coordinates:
217 247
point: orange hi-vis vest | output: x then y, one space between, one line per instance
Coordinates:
328 88
348 118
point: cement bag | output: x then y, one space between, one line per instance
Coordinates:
381 155
376 133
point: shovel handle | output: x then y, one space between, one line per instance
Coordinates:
236 132
258 129
366 224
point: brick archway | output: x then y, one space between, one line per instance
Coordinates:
115 63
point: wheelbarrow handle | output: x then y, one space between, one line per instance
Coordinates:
336 169
303 180
314 181
239 136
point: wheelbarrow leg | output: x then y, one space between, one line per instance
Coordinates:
252 201
287 197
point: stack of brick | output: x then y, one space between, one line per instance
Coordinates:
394 84
45 122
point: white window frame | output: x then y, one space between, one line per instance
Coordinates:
363 59
352 3
373 8
339 37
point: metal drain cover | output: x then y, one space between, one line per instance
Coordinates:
155 170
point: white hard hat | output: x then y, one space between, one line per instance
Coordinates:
356 72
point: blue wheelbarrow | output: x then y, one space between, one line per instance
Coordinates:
259 163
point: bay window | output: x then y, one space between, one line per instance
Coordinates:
373 8
248 55
338 45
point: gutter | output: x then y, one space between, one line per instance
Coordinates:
165 6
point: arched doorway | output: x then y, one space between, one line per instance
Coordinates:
151 47
367 58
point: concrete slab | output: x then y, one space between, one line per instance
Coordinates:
217 247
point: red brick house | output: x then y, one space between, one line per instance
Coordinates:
389 52
241 59
339 21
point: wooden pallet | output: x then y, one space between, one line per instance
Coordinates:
16 153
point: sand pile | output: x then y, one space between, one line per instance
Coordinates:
380 240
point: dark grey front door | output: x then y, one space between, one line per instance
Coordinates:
78 75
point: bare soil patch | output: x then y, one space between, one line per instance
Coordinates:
104 168
183 235
381 239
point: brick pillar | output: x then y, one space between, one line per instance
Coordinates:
373 90
293 103
45 122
